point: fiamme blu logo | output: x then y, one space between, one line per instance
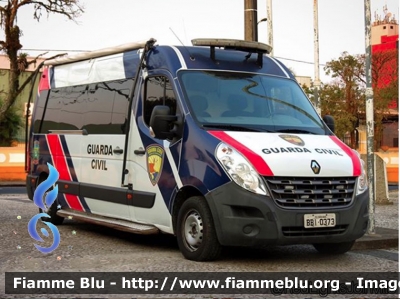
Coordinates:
44 199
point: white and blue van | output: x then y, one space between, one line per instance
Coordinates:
215 143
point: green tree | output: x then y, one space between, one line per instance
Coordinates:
9 126
11 44
344 98
334 103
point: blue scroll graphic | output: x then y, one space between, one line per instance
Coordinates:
50 197
32 231
44 186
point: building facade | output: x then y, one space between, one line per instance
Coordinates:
385 52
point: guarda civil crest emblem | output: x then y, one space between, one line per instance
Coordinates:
293 139
155 159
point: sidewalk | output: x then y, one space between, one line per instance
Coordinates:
12 183
386 233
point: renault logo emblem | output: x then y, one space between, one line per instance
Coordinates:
315 167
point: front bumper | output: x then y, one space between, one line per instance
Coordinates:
243 218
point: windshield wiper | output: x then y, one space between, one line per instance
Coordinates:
295 131
233 127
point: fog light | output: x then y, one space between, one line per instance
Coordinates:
251 230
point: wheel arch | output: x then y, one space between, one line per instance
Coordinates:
42 177
183 194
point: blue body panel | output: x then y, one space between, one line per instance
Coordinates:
231 60
193 155
164 57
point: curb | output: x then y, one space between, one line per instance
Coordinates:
383 238
12 184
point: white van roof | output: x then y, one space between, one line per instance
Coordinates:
96 53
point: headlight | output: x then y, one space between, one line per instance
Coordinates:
240 170
362 181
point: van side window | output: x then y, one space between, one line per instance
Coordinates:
72 105
107 107
100 108
52 112
39 109
158 91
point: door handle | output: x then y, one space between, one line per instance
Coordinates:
139 152
118 151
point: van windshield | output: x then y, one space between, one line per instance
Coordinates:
249 102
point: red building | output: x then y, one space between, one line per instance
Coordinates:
385 52
385 66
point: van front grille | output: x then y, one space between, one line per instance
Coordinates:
312 192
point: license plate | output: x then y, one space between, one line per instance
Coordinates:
319 220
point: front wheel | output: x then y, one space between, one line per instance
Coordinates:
334 248
196 234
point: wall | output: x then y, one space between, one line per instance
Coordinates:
390 156
12 164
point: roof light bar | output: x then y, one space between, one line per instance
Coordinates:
234 44
241 45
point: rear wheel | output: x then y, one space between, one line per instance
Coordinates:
51 211
196 234
334 248
53 217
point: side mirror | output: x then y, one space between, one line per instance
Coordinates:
330 122
160 122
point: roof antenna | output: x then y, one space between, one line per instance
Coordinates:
190 55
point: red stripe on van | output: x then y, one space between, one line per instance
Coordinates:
258 162
353 156
60 163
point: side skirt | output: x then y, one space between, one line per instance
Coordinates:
122 225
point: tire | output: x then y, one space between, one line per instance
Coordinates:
196 236
334 248
52 212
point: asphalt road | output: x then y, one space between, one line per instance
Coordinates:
86 247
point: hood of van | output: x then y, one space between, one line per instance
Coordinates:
294 155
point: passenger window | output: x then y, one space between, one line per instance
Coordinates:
72 106
107 107
51 115
99 108
158 91
120 107
39 109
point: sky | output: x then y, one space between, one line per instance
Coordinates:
111 23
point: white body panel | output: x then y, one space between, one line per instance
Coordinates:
139 177
99 166
276 153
